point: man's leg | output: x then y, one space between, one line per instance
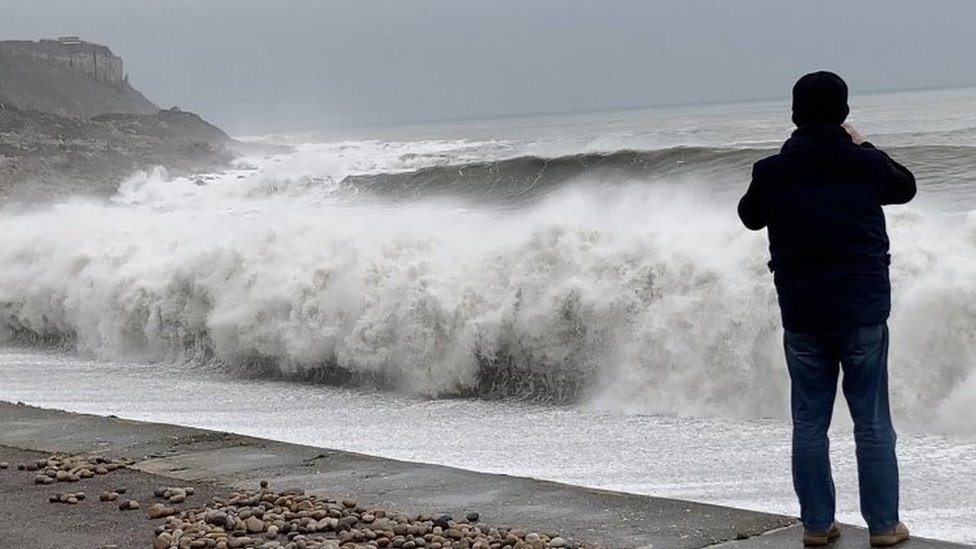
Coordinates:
865 359
813 370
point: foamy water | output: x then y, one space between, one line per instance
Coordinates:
722 461
647 297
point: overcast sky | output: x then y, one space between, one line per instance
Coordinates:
253 65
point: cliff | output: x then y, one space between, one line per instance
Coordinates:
67 76
46 156
71 124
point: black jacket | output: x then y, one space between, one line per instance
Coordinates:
820 199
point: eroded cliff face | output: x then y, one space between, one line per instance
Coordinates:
70 124
94 60
68 77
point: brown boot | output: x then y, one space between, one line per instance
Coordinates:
815 538
894 536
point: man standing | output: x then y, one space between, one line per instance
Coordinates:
820 200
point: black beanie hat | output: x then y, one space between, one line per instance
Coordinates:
820 98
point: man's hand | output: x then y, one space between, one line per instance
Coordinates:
856 136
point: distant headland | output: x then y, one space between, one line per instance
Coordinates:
71 123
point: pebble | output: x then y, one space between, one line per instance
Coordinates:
557 542
158 510
472 517
129 505
163 541
108 496
43 479
254 525
4 465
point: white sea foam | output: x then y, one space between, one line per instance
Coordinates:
644 297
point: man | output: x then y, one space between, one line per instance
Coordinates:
820 200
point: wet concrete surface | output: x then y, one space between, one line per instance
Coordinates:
218 462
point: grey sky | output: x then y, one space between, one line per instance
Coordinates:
289 64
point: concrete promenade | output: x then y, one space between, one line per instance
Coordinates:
215 462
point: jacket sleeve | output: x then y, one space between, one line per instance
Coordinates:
897 182
751 210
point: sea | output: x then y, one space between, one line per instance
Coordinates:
568 296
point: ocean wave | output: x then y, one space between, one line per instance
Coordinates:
522 178
647 298
525 178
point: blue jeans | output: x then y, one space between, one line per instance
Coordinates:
814 361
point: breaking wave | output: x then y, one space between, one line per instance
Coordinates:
642 295
530 177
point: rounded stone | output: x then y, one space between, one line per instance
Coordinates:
4 465
254 525
557 542
472 517
163 541
129 505
158 510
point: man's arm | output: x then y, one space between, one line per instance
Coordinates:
751 210
897 183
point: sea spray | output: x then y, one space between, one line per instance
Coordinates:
645 296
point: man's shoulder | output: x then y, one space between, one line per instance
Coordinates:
765 164
799 158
